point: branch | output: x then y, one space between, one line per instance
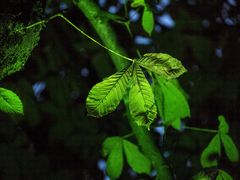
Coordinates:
100 23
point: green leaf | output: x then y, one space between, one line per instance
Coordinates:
141 100
10 102
223 175
223 126
137 3
211 153
105 96
162 64
113 147
171 102
109 144
136 160
147 20
230 148
176 124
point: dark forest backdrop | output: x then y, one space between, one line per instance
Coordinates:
56 140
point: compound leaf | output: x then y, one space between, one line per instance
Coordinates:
105 96
141 100
171 102
211 153
223 175
147 20
10 102
136 160
113 148
162 64
230 148
223 126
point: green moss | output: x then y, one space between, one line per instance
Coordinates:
16 44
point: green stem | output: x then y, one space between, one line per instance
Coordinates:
79 30
200 129
100 23
127 135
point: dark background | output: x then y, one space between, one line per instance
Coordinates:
56 140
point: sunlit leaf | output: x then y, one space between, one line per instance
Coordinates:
210 155
230 148
136 160
171 102
223 175
105 96
223 126
162 64
113 148
141 100
148 20
10 102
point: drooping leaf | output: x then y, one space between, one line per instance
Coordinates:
230 148
147 20
113 148
109 144
136 160
211 153
10 102
141 100
223 126
162 64
171 102
223 175
105 96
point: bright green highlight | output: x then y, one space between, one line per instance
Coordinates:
105 96
10 102
141 99
162 64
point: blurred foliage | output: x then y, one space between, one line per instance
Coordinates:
56 140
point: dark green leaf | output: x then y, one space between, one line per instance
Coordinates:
10 102
230 148
136 160
223 126
211 153
148 20
105 96
141 100
223 175
171 103
113 147
162 64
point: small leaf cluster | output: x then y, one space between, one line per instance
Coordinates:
105 96
147 16
114 148
212 153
